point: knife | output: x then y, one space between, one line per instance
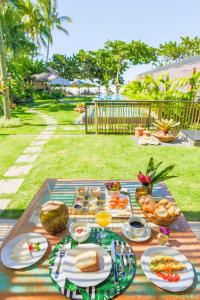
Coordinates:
113 254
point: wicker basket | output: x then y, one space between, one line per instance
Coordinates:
160 221
165 139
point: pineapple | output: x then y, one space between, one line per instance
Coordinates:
165 125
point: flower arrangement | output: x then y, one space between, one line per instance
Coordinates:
164 230
151 175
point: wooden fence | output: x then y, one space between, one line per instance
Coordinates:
123 116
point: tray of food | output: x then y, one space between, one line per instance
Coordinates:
88 199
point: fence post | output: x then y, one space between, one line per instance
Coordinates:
96 116
160 111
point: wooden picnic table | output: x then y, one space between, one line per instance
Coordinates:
34 283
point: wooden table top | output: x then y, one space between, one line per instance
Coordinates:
34 283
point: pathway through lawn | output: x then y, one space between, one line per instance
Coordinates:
14 176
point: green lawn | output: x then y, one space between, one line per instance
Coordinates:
104 157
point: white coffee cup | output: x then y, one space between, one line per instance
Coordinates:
134 230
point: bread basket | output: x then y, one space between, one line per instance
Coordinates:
155 218
160 221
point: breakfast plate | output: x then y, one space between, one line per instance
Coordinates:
186 276
24 250
134 238
85 279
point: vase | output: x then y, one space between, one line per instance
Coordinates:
163 239
143 191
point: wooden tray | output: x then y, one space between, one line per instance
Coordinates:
119 213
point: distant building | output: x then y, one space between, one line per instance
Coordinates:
40 81
184 68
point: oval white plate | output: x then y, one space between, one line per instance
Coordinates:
135 238
186 276
35 238
83 279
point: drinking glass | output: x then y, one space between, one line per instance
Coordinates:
103 219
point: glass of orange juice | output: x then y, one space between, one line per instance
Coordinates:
103 219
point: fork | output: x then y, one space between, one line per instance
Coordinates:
62 254
120 253
129 254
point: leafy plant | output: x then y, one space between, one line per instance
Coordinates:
165 125
152 176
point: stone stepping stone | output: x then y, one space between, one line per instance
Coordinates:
10 186
32 150
6 225
47 132
27 158
3 204
18 171
51 128
43 137
38 143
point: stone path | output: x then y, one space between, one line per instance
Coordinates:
14 176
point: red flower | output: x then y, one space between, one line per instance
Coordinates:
148 179
141 178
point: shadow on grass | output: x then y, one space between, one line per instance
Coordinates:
192 215
12 213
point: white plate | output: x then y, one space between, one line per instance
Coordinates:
82 279
34 238
186 276
135 238
118 212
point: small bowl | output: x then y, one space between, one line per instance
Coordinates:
113 193
82 191
76 233
95 192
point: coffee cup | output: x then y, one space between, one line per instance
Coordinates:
136 226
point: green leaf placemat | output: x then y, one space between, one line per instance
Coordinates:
107 289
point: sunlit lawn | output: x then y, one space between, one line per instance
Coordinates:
105 157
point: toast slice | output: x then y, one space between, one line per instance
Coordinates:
88 261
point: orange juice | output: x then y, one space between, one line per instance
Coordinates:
103 218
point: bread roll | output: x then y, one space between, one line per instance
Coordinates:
88 261
164 202
161 212
171 210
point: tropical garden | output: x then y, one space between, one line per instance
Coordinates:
25 30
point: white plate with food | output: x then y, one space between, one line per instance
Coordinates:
167 268
24 250
87 265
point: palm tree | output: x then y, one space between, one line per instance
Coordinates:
52 21
3 73
34 22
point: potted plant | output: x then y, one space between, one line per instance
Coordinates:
80 107
152 176
163 133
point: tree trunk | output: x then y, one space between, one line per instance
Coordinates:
47 56
3 75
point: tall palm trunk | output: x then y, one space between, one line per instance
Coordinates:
3 75
48 48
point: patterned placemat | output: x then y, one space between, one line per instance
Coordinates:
108 289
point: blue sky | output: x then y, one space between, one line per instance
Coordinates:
152 21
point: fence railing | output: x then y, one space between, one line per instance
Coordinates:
123 116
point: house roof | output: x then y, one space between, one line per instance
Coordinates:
188 61
44 77
60 81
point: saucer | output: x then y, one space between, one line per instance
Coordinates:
135 238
